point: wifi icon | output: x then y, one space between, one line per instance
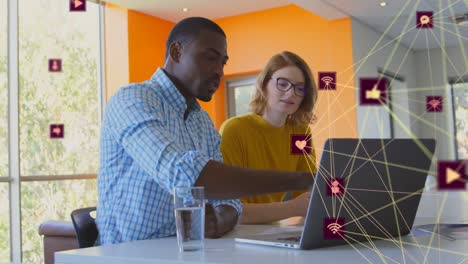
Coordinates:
327 80
333 228
434 103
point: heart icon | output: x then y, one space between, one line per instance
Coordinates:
300 144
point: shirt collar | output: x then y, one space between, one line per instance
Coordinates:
171 93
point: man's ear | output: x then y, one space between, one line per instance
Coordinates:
175 50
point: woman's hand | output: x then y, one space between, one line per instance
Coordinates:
299 204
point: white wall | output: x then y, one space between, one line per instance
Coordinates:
376 124
450 206
439 125
416 69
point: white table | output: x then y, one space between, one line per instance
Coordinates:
225 250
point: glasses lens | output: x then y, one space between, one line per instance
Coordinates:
300 90
282 85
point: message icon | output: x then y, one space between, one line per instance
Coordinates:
333 228
424 19
373 91
451 175
300 144
56 130
327 80
434 103
77 5
55 65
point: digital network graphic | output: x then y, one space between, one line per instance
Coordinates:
77 5
373 91
55 65
434 103
336 186
333 228
300 144
327 80
381 91
56 131
385 97
451 175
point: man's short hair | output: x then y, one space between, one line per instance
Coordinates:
187 29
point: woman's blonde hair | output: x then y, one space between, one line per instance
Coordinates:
305 112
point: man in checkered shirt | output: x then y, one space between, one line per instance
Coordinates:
156 137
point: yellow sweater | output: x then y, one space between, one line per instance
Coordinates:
249 141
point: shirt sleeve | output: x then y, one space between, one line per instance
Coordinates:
218 156
135 120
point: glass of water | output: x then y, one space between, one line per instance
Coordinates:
189 207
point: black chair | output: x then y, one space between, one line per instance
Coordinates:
85 226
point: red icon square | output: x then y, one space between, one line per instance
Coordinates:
301 144
55 65
335 186
57 131
434 103
451 175
424 19
373 91
327 80
77 5
333 228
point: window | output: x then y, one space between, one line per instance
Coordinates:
69 97
240 93
460 109
50 200
59 84
4 224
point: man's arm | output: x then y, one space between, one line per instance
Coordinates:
142 133
219 220
223 181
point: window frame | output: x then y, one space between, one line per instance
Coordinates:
452 82
14 177
231 85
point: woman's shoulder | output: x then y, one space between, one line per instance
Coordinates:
238 122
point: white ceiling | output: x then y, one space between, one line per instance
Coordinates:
366 11
172 9
380 19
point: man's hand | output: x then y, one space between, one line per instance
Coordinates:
219 220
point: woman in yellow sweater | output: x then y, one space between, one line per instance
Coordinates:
276 136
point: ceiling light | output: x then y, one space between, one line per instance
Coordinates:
185 9
382 4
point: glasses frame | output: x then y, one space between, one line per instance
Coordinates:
291 85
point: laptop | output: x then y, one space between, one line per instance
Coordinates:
364 189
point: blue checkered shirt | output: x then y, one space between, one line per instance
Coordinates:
148 149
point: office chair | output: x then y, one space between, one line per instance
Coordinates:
85 226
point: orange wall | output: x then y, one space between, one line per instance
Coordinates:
146 44
252 39
325 45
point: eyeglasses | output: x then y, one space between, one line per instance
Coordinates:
284 85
